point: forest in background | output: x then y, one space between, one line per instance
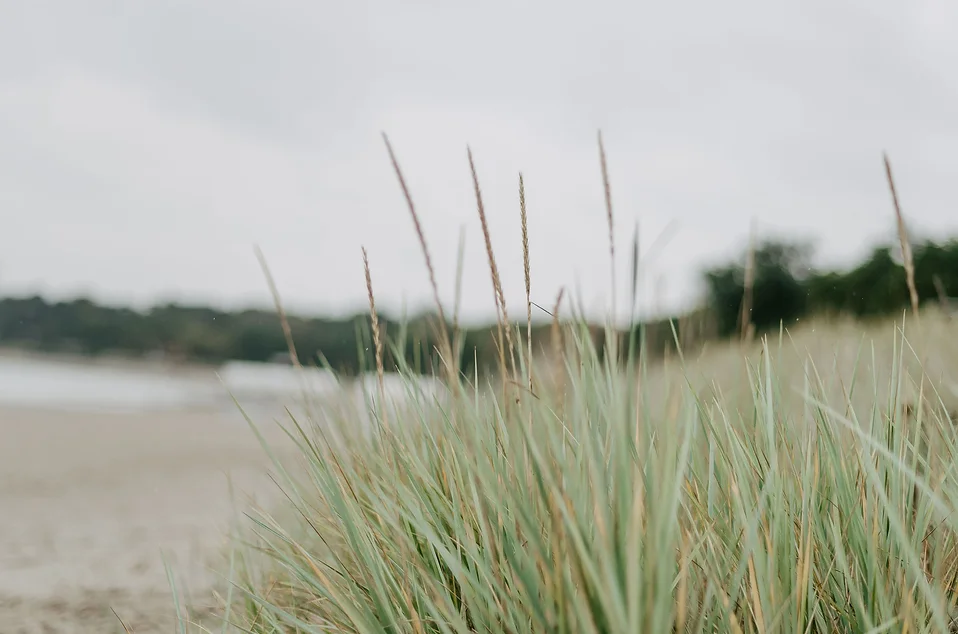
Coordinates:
786 288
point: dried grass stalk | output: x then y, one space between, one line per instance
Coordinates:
446 346
504 324
745 318
277 302
610 218
906 254
457 305
528 278
557 345
377 338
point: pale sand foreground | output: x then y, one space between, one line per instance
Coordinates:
89 503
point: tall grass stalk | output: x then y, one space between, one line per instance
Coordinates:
906 255
745 319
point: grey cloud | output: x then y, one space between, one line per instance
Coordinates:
175 134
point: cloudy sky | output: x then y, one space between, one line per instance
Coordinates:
146 147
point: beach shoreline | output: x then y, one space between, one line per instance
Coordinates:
92 502
146 363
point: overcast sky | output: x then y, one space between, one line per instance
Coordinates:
146 147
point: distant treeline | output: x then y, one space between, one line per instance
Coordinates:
786 288
200 334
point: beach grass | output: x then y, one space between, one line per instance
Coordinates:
800 481
789 494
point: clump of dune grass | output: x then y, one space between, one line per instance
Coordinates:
797 492
636 510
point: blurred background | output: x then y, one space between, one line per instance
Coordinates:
146 148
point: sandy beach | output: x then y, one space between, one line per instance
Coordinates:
90 503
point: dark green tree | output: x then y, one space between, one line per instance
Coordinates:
778 295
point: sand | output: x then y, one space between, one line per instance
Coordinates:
90 503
